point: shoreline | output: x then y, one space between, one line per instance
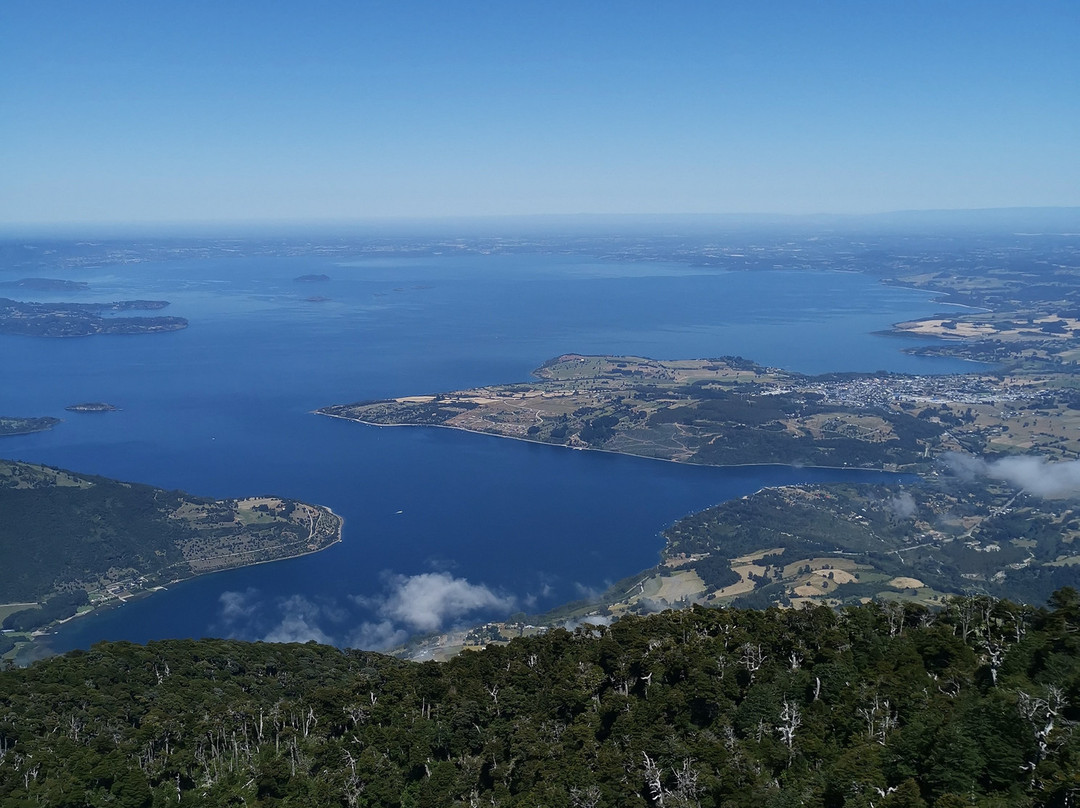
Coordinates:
614 451
116 602
340 531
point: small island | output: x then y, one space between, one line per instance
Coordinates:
82 319
92 406
312 279
11 425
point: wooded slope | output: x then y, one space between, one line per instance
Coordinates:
64 532
882 706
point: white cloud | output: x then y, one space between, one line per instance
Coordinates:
298 622
587 592
410 604
590 620
1036 475
237 606
425 602
531 600
903 506
239 615
377 636
652 605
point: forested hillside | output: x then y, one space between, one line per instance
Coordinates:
70 533
941 536
870 706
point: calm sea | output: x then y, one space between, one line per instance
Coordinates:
441 526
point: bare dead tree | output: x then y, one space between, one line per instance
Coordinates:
752 658
310 721
894 617
687 789
653 782
1043 716
585 798
879 718
790 721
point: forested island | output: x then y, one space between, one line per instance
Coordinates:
83 319
889 706
72 541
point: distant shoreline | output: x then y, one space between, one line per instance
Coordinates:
612 451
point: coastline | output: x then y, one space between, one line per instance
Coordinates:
613 451
117 601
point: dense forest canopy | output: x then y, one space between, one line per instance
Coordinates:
875 705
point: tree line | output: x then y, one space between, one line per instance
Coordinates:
877 705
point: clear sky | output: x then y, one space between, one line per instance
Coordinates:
178 110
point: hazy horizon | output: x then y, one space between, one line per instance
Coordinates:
524 225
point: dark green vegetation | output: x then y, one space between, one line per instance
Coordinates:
733 429
875 705
82 319
63 532
11 425
57 607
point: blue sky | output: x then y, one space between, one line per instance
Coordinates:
150 111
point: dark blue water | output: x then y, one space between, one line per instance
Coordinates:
440 525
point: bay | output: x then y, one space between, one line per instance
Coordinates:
441 526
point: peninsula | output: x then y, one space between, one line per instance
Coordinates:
72 541
731 411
